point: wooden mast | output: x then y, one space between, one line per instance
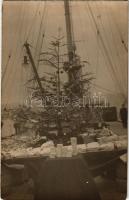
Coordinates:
74 67
70 41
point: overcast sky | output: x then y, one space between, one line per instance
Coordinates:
21 21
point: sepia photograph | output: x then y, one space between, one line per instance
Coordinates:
64 100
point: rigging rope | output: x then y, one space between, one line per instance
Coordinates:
12 72
98 54
41 34
39 42
13 86
97 41
14 56
33 21
6 66
120 35
12 48
96 30
110 58
120 62
27 36
106 51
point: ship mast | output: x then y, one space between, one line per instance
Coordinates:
70 41
73 66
